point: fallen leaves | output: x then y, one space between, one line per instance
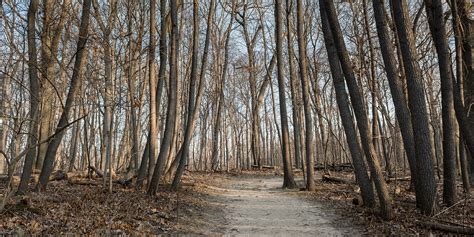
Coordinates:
407 217
67 207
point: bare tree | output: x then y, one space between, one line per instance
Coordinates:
194 104
172 101
288 180
359 111
220 99
425 186
306 98
396 85
75 82
34 97
365 184
151 82
434 10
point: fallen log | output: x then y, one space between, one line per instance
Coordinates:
393 179
452 228
265 167
332 179
338 167
80 181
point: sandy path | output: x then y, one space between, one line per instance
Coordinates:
257 206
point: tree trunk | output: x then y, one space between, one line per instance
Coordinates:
306 99
50 38
434 10
425 185
34 98
151 83
288 180
145 168
396 85
194 104
220 100
359 111
172 101
342 99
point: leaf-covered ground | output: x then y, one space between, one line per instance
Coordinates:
71 208
67 208
407 221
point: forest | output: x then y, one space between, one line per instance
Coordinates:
240 117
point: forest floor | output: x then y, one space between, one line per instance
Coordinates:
216 204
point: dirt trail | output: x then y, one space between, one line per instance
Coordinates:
258 206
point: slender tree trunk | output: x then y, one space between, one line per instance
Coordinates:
134 102
194 104
34 96
50 39
220 101
460 72
151 83
306 99
75 138
295 102
288 180
145 168
172 101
